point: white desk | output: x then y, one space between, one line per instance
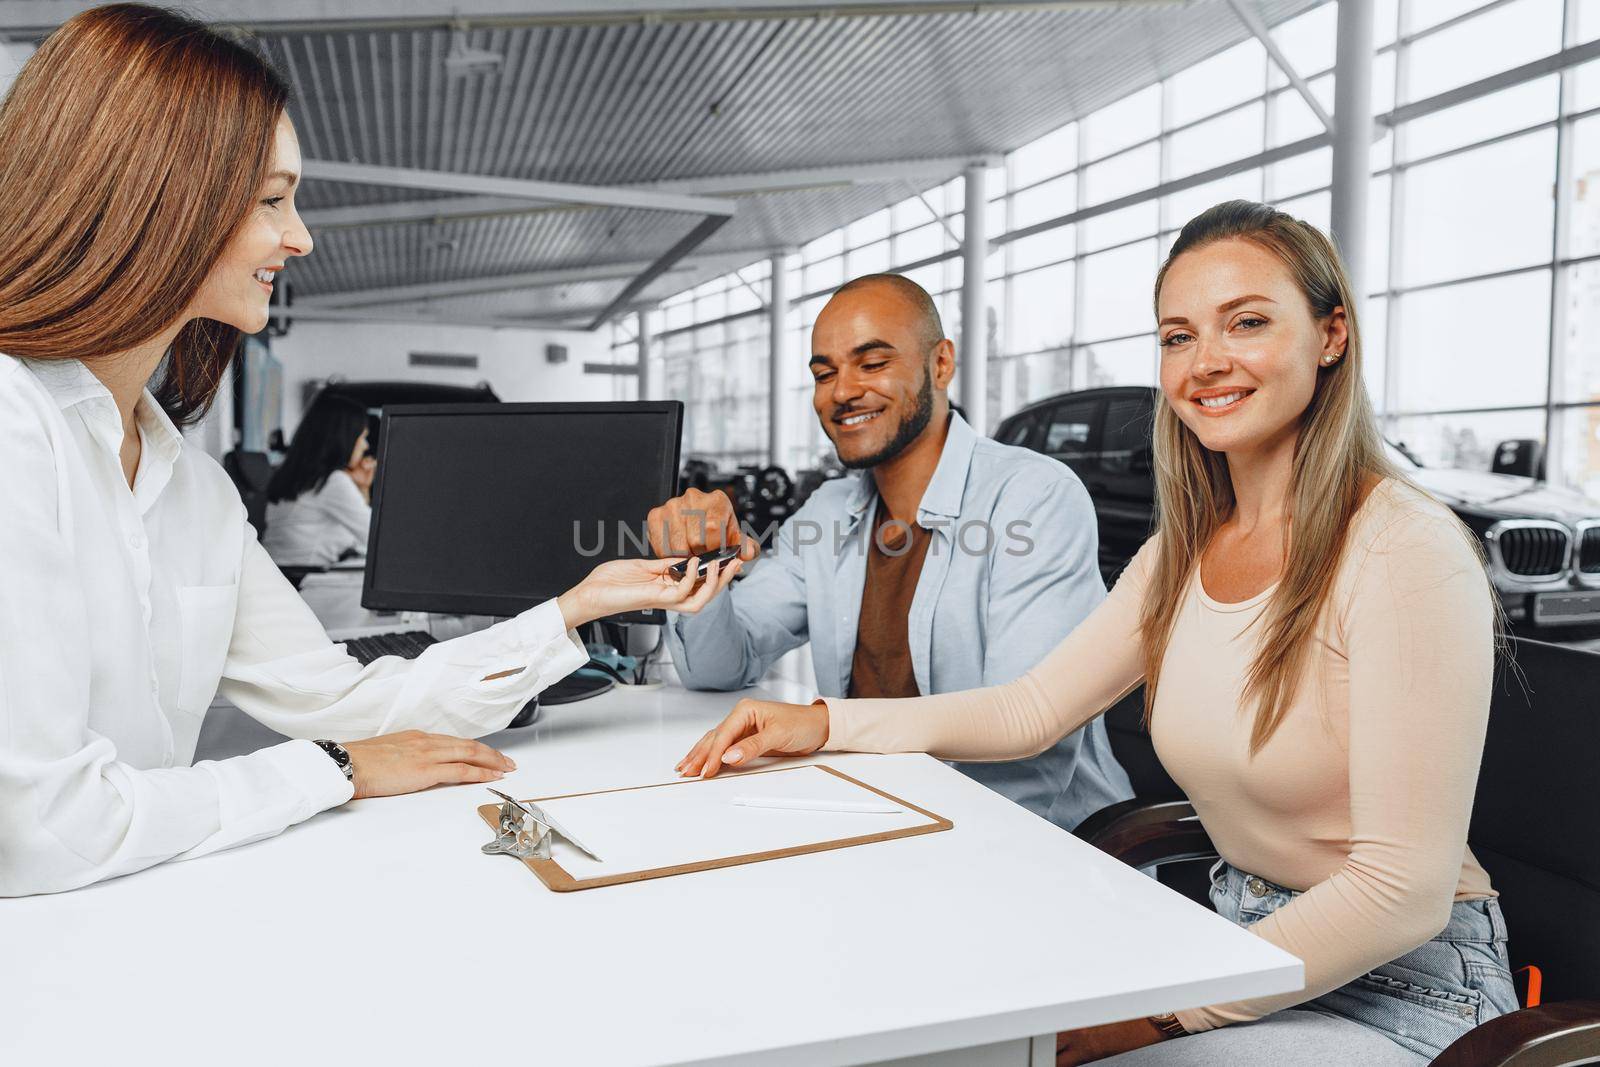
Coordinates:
377 933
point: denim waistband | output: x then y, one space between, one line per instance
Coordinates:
1253 897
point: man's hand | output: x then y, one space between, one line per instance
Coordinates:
698 522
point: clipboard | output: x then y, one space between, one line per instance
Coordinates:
808 832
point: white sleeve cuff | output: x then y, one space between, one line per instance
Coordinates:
260 794
313 772
553 650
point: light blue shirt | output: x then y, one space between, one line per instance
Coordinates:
1010 570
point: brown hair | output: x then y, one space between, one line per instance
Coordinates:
1338 453
135 143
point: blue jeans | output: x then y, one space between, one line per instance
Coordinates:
1425 999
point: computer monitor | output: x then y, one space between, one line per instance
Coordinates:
489 509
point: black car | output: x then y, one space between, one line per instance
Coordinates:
1543 542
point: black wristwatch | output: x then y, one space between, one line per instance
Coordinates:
337 752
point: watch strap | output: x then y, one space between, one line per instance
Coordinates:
340 756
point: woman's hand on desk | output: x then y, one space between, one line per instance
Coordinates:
757 728
639 584
412 761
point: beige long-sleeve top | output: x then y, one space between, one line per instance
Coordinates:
1361 798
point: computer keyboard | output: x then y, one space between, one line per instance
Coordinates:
407 645
574 687
410 643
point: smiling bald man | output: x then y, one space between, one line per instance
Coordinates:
948 561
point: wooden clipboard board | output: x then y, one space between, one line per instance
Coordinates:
558 879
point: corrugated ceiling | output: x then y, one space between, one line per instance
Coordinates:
652 101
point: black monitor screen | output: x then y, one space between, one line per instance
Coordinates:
488 509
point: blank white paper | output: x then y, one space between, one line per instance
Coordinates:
696 821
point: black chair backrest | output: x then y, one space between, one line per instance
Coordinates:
1130 743
250 471
1536 820
1523 457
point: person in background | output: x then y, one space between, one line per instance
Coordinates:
947 561
149 175
319 501
1316 640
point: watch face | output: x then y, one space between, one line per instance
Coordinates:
340 756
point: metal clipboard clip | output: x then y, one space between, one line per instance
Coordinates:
525 831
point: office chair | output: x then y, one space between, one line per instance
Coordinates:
1523 457
1130 743
250 472
297 574
1533 829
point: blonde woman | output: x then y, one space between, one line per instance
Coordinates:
1316 640
148 177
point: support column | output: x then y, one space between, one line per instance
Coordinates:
641 320
1352 138
972 357
1557 435
778 355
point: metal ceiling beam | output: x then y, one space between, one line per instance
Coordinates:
936 213
499 283
688 243
761 300
301 313
810 178
449 207
33 18
1253 22
505 283
548 192
777 181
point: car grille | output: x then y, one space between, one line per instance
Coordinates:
1589 551
1534 551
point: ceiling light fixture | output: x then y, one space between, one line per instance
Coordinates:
464 61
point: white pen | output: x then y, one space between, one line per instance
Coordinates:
806 804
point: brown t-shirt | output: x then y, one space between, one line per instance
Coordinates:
881 666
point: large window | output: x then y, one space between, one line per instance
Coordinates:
709 349
1486 320
1481 319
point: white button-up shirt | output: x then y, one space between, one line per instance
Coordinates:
319 526
121 612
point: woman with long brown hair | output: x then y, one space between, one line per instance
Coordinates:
148 173
1316 641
